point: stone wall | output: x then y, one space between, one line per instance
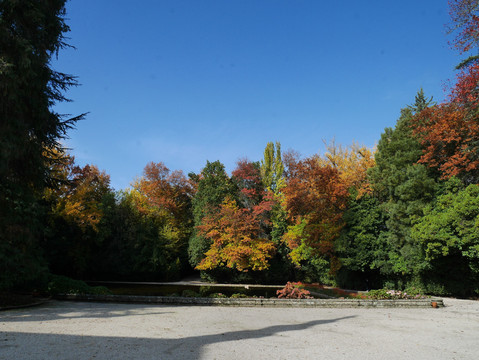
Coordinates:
271 302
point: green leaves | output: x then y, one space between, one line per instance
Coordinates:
272 168
451 226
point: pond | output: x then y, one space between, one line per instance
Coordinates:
187 289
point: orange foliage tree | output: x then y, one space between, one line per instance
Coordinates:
449 133
163 198
238 240
239 231
315 200
168 193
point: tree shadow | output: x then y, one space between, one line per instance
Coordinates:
60 346
71 310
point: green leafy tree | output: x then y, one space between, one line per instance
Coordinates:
274 182
136 241
272 168
362 250
449 235
31 32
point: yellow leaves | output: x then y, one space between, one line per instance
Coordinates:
84 215
352 163
80 191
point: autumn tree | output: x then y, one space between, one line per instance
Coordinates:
352 163
213 186
237 238
465 25
248 180
240 230
31 32
163 197
358 246
167 192
76 210
449 132
315 200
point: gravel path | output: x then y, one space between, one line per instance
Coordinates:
70 330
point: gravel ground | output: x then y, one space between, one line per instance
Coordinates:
76 330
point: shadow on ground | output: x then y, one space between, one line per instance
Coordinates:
73 311
59 346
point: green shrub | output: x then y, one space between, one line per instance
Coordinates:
218 296
190 293
64 285
238 295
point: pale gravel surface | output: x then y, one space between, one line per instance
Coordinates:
70 330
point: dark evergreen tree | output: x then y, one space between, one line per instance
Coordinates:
31 32
404 188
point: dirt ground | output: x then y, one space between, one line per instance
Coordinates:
76 330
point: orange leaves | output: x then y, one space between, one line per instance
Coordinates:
315 199
164 191
315 189
449 133
237 239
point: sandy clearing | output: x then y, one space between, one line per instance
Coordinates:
76 330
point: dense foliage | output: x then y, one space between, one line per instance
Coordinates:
31 32
405 215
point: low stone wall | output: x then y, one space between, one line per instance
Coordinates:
333 303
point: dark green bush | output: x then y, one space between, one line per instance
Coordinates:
58 284
190 293
238 296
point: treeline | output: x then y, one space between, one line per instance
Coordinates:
405 214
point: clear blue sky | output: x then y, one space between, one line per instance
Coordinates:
185 81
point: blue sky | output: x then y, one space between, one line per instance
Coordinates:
185 81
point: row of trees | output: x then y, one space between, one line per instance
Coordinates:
405 214
270 221
350 217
